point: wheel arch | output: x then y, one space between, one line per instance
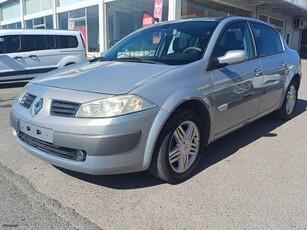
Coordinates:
201 107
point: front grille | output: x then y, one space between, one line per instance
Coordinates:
64 108
27 100
48 147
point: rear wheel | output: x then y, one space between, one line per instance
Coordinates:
286 111
178 148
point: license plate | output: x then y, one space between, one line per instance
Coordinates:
37 132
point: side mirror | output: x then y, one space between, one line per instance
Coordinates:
233 57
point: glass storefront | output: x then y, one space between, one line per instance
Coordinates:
16 25
10 10
85 20
40 23
34 6
126 16
278 24
197 9
68 2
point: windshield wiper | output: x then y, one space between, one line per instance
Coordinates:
98 59
137 59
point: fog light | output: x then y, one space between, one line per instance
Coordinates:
80 155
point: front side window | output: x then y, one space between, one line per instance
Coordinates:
235 37
10 44
173 44
267 40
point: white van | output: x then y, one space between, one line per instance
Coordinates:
25 53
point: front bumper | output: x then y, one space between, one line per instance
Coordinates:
113 145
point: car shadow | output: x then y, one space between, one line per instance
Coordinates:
215 152
15 84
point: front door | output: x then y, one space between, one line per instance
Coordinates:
237 87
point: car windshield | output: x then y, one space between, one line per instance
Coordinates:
172 44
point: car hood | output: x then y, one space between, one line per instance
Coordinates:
103 77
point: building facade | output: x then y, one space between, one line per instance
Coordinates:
104 22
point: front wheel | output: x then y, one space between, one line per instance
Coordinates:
178 148
286 111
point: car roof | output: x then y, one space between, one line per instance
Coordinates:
218 19
38 32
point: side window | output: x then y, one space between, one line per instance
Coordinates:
50 42
279 46
10 44
34 42
267 40
235 37
67 41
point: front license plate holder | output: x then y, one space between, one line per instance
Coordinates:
35 131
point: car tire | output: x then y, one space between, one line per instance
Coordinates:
178 148
286 111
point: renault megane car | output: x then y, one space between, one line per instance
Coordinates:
158 97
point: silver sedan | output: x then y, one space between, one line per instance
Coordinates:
158 97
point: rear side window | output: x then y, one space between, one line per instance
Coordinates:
67 41
50 42
39 42
10 44
34 42
267 40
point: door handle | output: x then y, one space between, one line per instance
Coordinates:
32 56
284 64
17 57
257 72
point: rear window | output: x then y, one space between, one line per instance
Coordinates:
67 41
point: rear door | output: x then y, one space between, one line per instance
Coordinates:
41 53
274 65
12 63
237 93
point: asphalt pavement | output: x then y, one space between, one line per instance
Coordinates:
254 178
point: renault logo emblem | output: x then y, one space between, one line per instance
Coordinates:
38 106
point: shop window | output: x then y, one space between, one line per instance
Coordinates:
278 24
93 28
263 18
29 24
10 10
85 20
124 17
68 2
16 25
34 6
40 23
63 20
195 8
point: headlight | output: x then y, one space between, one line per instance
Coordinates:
22 93
114 106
